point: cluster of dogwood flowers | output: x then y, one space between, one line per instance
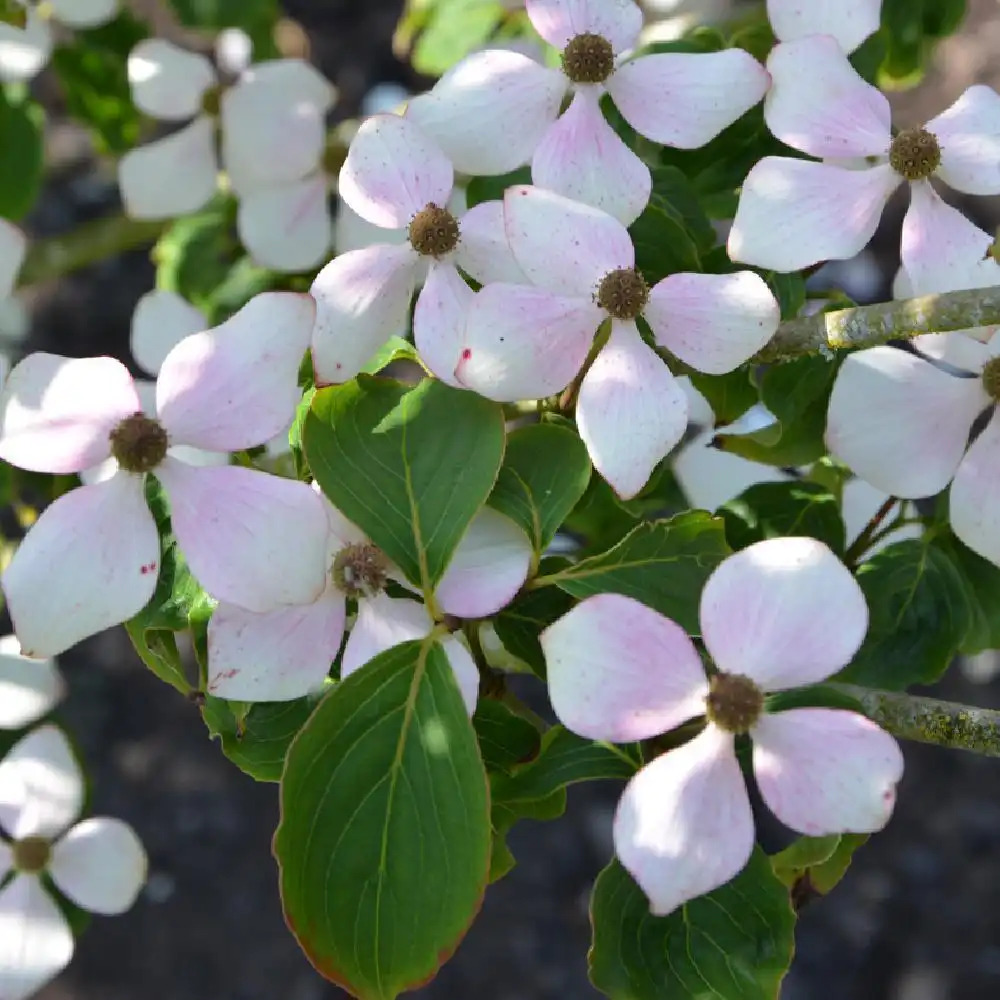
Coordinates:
99 863
556 267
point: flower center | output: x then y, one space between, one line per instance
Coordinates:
623 293
31 855
360 570
915 154
588 59
434 231
734 702
211 101
139 443
991 379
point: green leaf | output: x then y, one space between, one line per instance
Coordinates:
789 290
982 589
178 602
409 466
394 349
255 17
480 189
505 814
813 865
22 154
919 616
730 396
769 510
94 77
519 624
384 840
454 29
798 394
735 943
505 738
545 471
673 231
258 743
664 564
564 759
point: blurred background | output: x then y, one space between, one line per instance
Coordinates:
917 918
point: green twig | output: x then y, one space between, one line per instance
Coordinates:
929 720
868 326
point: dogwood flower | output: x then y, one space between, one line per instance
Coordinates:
24 52
396 178
902 420
496 110
29 688
525 342
793 213
780 614
850 22
92 558
98 863
285 654
275 105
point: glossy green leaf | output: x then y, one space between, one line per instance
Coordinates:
410 466
258 743
519 624
801 855
770 510
919 616
178 603
982 589
505 738
505 814
564 759
798 394
664 564
22 122
735 943
384 840
545 471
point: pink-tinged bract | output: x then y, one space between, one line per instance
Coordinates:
683 826
784 612
969 135
630 410
824 770
559 21
619 671
90 561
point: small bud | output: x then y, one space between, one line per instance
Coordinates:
734 702
139 443
31 855
915 154
360 570
588 59
623 293
434 231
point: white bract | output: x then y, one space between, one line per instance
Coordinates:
273 135
24 52
98 863
850 22
29 687
93 557
396 178
524 342
287 653
793 213
497 110
780 614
